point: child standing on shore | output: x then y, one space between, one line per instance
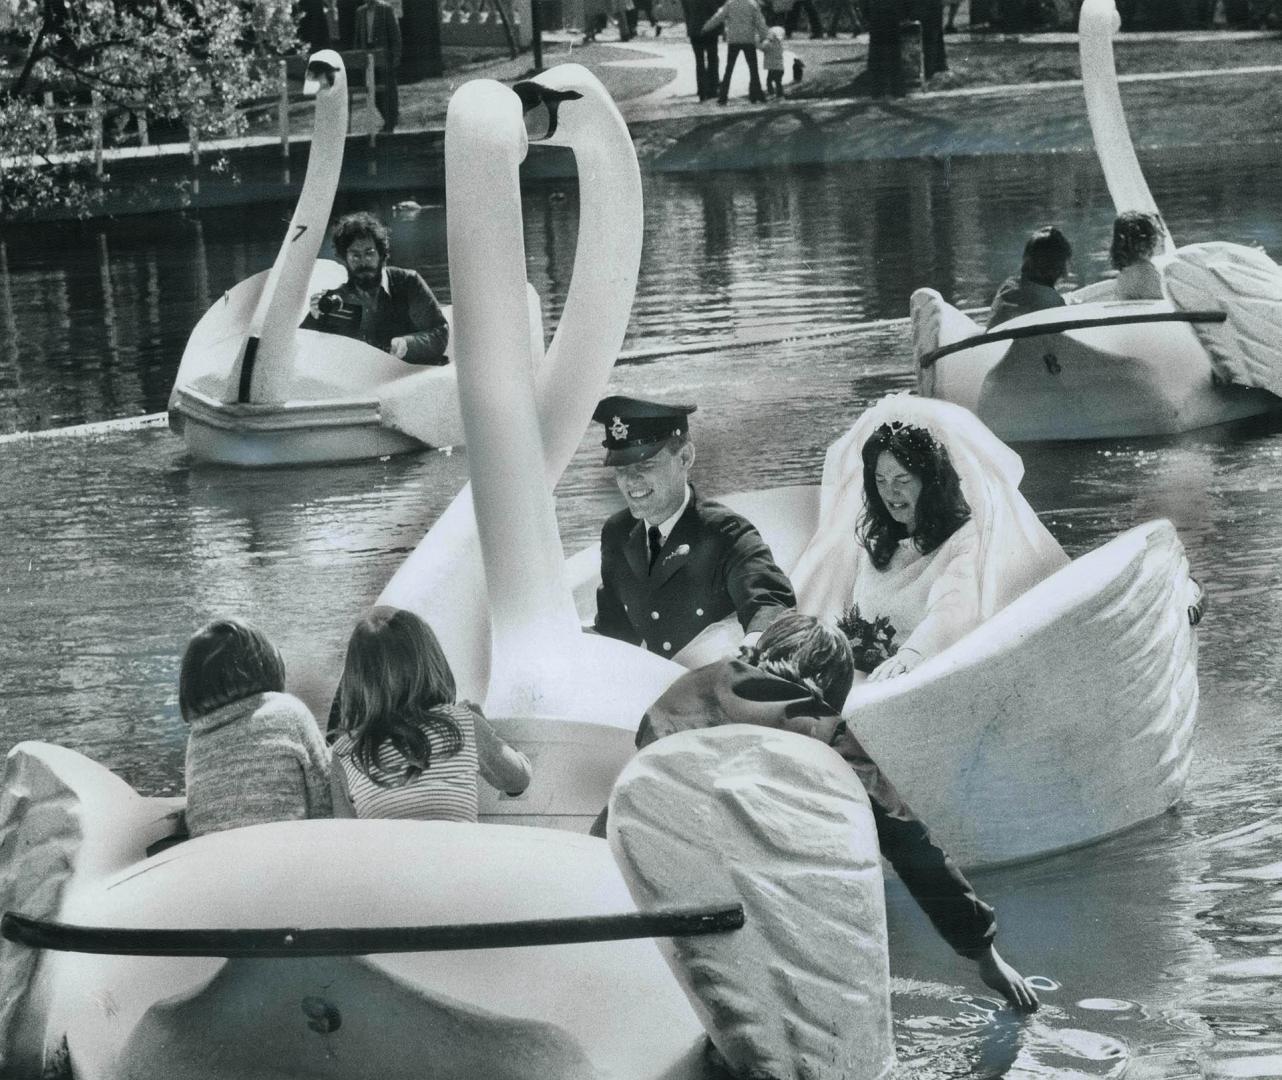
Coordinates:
772 54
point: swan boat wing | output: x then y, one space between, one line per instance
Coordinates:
1244 283
1066 717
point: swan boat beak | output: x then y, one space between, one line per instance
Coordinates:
541 105
321 72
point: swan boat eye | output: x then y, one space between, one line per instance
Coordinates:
317 71
538 100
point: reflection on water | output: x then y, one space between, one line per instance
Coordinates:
96 315
1161 947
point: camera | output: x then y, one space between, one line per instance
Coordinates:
330 303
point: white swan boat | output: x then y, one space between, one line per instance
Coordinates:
254 389
1102 368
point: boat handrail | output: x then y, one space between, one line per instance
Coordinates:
1042 329
360 941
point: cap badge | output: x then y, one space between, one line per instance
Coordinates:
618 429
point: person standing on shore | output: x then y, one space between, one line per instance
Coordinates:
376 29
885 70
745 28
772 55
704 44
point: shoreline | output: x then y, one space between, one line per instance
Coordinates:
1167 111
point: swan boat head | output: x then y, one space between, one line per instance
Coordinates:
541 662
1098 22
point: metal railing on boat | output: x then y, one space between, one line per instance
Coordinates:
360 941
1058 327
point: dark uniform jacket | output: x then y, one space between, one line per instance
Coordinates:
713 564
736 692
406 308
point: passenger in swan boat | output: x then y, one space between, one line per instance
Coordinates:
254 753
922 533
681 576
1137 237
404 746
385 306
1046 256
796 678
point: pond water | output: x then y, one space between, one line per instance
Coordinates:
1162 946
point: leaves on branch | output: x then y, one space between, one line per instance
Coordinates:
186 63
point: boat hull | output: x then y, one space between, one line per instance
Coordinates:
1116 381
296 433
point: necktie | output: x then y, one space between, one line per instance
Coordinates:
656 542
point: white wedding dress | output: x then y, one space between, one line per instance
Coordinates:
936 599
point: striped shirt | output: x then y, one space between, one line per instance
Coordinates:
447 790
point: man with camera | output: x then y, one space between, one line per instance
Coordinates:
385 306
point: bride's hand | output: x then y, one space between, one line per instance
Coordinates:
899 664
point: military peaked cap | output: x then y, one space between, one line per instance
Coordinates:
636 429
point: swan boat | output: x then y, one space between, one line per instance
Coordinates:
123 956
253 389
1106 368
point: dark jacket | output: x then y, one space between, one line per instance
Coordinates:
386 35
696 13
736 692
1020 295
713 564
406 309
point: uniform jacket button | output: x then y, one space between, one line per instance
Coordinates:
667 646
698 611
654 614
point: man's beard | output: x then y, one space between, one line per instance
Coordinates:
365 278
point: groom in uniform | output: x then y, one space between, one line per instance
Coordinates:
674 565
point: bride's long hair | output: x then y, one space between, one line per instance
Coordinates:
942 509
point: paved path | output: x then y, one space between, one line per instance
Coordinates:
676 94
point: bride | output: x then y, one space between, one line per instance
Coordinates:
922 533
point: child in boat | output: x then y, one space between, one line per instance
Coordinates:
1046 256
403 746
1136 239
796 678
254 753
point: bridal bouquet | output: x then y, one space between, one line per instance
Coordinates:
871 642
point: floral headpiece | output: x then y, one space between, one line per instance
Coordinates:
897 435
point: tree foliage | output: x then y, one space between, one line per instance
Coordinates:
185 63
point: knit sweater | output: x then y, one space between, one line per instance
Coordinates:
259 759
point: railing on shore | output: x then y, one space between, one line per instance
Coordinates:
282 101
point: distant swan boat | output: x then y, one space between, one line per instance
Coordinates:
1104 368
253 389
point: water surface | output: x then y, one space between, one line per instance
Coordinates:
1162 946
